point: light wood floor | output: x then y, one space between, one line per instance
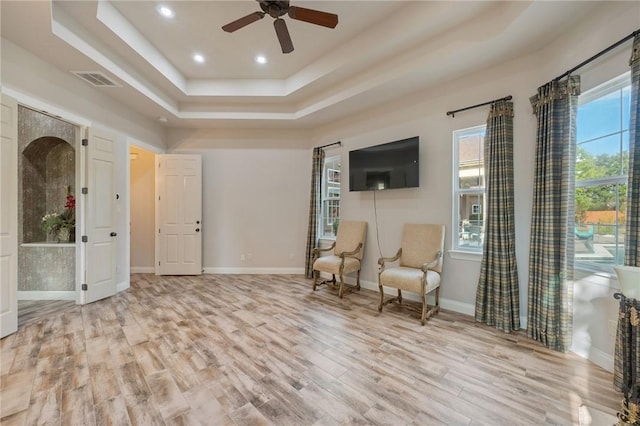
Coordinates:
29 310
254 350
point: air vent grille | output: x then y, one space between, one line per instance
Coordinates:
96 78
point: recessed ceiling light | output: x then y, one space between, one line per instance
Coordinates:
166 11
198 58
261 59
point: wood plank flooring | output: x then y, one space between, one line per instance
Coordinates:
29 310
266 350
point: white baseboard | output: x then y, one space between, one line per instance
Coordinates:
253 271
142 270
596 356
451 305
46 295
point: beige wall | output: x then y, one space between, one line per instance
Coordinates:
142 205
255 198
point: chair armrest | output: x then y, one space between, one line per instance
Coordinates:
389 259
317 250
434 262
350 253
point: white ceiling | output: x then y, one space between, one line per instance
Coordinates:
380 51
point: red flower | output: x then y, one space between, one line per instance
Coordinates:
71 202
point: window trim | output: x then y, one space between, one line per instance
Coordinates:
465 253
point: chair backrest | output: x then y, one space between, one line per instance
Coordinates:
420 243
350 234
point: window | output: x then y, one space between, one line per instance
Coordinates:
330 197
602 160
468 197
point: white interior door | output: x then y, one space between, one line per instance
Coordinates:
100 217
8 216
179 214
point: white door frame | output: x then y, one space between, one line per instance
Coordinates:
9 217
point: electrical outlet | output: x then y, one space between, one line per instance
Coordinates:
613 328
243 257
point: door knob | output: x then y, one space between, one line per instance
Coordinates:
113 234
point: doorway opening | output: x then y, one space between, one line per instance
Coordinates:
142 210
47 185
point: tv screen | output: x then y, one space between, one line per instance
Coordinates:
388 166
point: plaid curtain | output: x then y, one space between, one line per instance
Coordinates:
632 234
549 316
314 208
498 294
626 375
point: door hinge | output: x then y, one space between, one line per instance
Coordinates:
85 287
158 263
85 239
85 142
158 230
85 190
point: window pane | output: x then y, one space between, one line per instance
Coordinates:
331 218
599 231
599 117
330 215
599 158
471 225
471 161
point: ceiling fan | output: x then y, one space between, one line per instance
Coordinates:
276 9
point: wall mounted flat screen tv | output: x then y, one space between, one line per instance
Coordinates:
391 165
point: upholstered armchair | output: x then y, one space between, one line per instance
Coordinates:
346 258
419 269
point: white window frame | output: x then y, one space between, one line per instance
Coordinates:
593 94
459 192
331 185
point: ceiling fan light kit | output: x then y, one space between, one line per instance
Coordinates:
276 9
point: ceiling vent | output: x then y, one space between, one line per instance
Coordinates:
96 78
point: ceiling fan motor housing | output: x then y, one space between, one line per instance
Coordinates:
274 8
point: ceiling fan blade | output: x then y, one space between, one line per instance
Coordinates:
243 22
283 35
329 20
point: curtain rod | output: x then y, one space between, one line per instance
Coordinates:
330 144
453 113
597 55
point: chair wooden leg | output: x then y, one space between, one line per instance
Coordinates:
399 296
341 291
423 318
316 275
381 291
358 281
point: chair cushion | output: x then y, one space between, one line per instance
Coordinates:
350 234
409 279
331 264
420 243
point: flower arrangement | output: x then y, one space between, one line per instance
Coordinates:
62 225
